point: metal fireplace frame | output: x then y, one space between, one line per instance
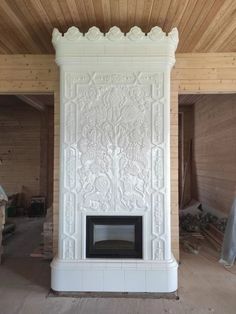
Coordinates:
92 252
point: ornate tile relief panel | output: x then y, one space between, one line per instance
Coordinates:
113 149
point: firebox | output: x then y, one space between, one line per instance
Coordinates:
114 236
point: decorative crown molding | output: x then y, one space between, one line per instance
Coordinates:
73 34
93 34
114 34
135 33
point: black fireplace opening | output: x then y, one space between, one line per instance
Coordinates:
114 237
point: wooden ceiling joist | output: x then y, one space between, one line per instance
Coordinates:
37 104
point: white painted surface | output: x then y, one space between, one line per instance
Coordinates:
115 154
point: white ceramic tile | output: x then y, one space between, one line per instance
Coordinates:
69 281
92 280
155 280
114 280
135 280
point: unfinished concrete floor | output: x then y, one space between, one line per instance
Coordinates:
204 285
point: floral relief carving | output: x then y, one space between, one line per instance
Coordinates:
70 166
70 122
70 208
158 250
158 213
69 249
113 161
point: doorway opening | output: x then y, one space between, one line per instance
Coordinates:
207 170
26 178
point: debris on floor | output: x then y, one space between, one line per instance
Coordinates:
197 225
191 241
38 252
214 236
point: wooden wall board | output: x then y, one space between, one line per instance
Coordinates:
20 129
215 151
185 161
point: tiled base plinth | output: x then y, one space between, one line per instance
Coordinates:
114 276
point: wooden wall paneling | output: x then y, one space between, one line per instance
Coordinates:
20 129
186 159
43 152
214 163
50 155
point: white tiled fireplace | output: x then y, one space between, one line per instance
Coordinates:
115 161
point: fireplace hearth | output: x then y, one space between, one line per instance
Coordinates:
114 206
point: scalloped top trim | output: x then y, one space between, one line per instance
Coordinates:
73 34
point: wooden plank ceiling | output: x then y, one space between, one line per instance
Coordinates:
204 25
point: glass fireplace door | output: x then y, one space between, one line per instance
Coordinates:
114 236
